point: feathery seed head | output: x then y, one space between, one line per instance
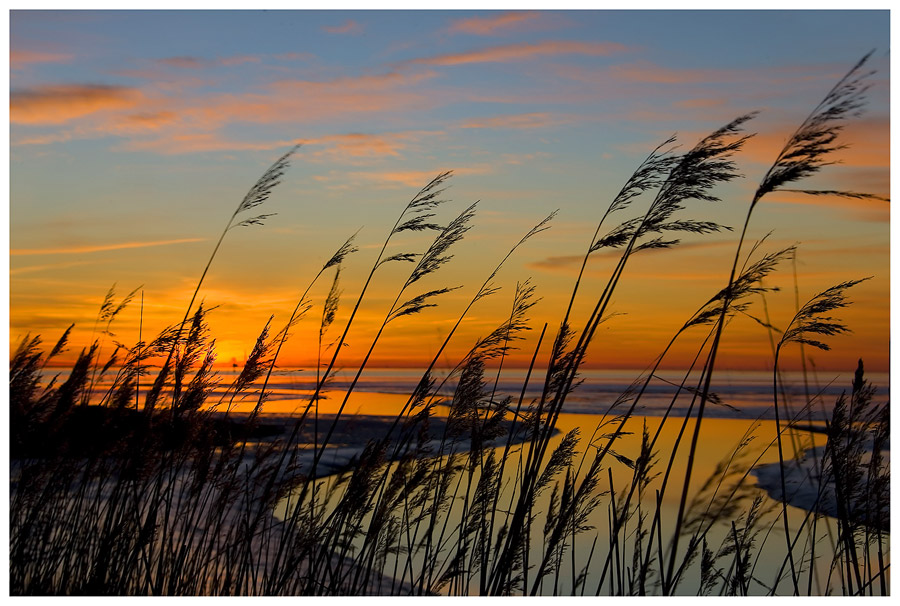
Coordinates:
806 150
418 303
746 284
696 172
346 249
428 197
410 257
263 187
331 303
418 223
257 220
434 257
649 175
810 320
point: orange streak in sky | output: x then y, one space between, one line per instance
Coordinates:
59 104
98 248
514 52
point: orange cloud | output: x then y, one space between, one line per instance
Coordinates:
189 143
516 159
288 100
151 121
867 143
379 82
518 121
19 59
361 145
869 210
62 103
412 178
98 248
342 146
127 125
185 123
515 52
486 26
350 27
418 178
43 139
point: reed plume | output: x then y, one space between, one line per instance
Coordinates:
803 155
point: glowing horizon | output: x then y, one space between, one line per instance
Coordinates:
133 136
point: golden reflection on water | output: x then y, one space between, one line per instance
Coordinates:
727 448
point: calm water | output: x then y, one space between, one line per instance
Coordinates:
718 446
746 420
746 395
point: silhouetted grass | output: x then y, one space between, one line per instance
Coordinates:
167 491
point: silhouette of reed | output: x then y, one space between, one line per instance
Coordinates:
168 491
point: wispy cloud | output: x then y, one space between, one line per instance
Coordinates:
654 74
350 27
346 147
417 178
517 159
125 125
184 121
853 209
98 248
200 142
518 52
517 121
410 178
151 120
360 144
182 62
190 62
363 146
866 141
487 26
19 59
18 271
45 139
238 60
62 103
304 101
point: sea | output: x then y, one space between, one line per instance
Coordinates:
735 394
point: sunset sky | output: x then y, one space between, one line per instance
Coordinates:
134 135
